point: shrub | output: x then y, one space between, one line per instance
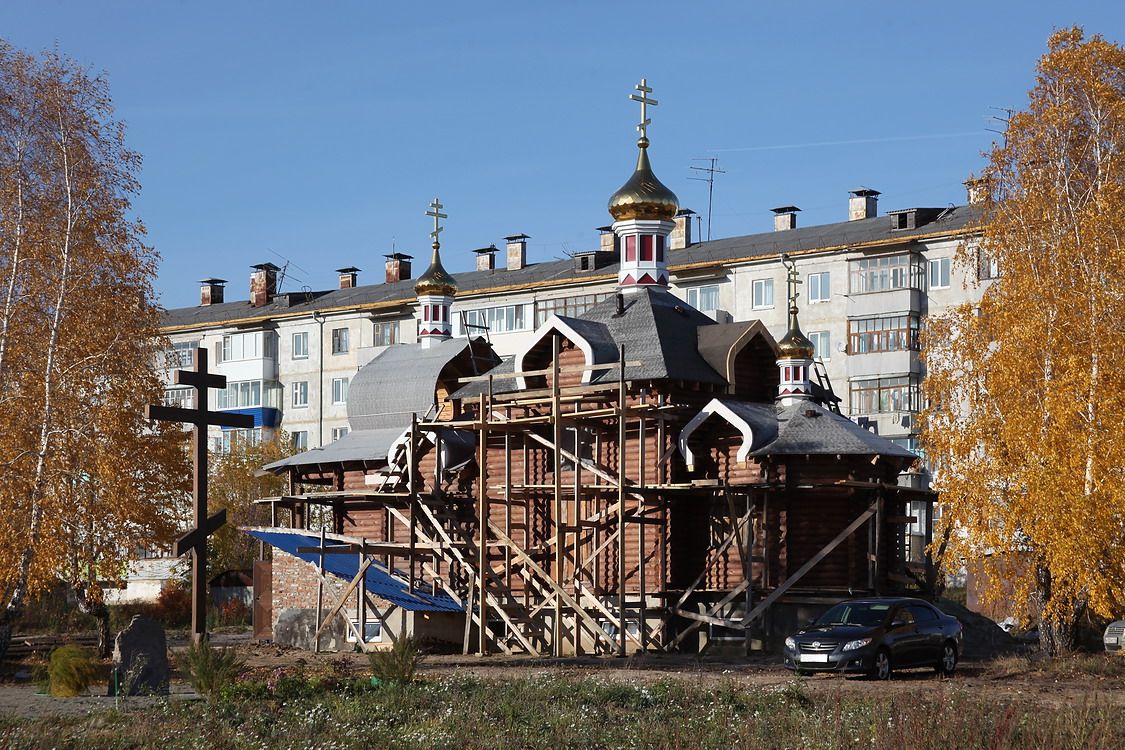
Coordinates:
233 612
397 664
70 671
173 606
209 669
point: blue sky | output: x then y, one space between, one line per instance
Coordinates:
319 132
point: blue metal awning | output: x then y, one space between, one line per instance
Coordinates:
377 579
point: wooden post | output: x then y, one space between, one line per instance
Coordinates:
577 536
641 532
880 542
319 592
621 452
560 522
361 595
412 460
482 519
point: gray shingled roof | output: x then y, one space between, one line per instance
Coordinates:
398 382
658 330
861 232
762 419
808 428
356 446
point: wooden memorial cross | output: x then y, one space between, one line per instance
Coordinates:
195 540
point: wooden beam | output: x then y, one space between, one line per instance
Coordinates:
809 565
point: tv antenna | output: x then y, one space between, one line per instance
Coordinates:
711 170
1003 121
285 270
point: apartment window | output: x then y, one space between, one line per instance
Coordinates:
181 397
567 306
339 340
883 395
185 352
301 393
820 287
939 273
822 342
386 333
885 273
300 440
242 437
300 345
250 345
338 432
886 334
763 293
339 390
987 266
704 298
497 319
247 393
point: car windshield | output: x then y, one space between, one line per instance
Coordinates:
855 613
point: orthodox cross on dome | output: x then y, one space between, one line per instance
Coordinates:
645 90
435 212
792 281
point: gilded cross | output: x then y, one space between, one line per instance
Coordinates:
195 540
793 280
435 211
644 88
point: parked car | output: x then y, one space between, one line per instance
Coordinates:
876 636
1114 638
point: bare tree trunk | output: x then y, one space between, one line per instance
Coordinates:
1057 629
15 602
17 247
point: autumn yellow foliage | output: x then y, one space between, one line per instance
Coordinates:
84 479
1026 389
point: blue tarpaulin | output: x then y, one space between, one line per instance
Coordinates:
377 579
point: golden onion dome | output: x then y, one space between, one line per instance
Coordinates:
643 196
794 344
436 280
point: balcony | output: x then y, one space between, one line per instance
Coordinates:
882 363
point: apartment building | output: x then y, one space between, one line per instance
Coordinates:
868 284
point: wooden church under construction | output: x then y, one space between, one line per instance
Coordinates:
639 477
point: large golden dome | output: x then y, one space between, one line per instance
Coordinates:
436 280
643 196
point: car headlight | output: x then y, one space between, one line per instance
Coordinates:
790 643
857 643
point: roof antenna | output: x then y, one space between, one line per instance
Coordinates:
711 170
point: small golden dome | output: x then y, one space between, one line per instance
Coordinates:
643 196
436 280
795 345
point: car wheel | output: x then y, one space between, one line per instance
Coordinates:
948 662
881 669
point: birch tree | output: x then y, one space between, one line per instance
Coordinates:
79 337
1025 389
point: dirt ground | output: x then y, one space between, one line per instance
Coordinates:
22 698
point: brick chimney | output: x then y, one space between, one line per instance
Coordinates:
211 292
263 284
348 276
863 204
680 237
398 267
607 240
517 251
976 190
486 258
784 217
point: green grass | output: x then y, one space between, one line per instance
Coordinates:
551 711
